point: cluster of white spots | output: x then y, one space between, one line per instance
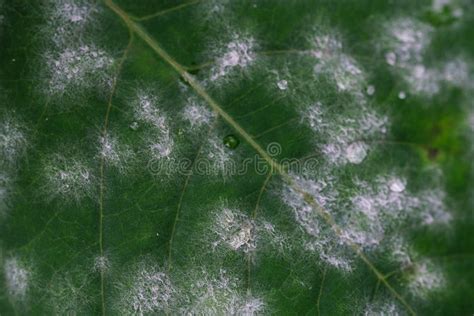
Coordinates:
113 152
151 292
321 240
238 232
101 264
69 179
13 141
439 6
234 229
80 68
196 114
405 42
17 278
331 60
381 309
160 144
346 136
209 295
72 63
238 54
282 84
221 161
425 278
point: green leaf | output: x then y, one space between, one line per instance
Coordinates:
217 157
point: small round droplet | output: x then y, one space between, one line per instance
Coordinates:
231 141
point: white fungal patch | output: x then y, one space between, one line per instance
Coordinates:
219 295
238 54
114 153
425 278
331 60
356 152
101 264
159 143
4 193
68 179
78 68
196 114
17 278
282 84
321 240
13 140
370 90
150 292
381 309
235 230
433 210
220 158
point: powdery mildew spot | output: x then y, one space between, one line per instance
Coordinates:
13 140
196 114
405 42
101 264
17 278
150 292
219 295
159 142
331 60
114 153
68 178
237 231
220 158
343 133
381 309
4 193
238 54
234 229
78 68
425 279
321 240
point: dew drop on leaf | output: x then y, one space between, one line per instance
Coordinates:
231 141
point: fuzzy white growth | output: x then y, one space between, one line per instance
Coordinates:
220 158
356 152
426 278
13 141
114 153
151 292
81 68
331 60
402 95
101 264
238 54
220 295
234 229
433 210
160 144
370 90
382 309
69 179
321 240
197 115
282 84
17 278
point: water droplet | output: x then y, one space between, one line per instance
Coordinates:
356 152
231 141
